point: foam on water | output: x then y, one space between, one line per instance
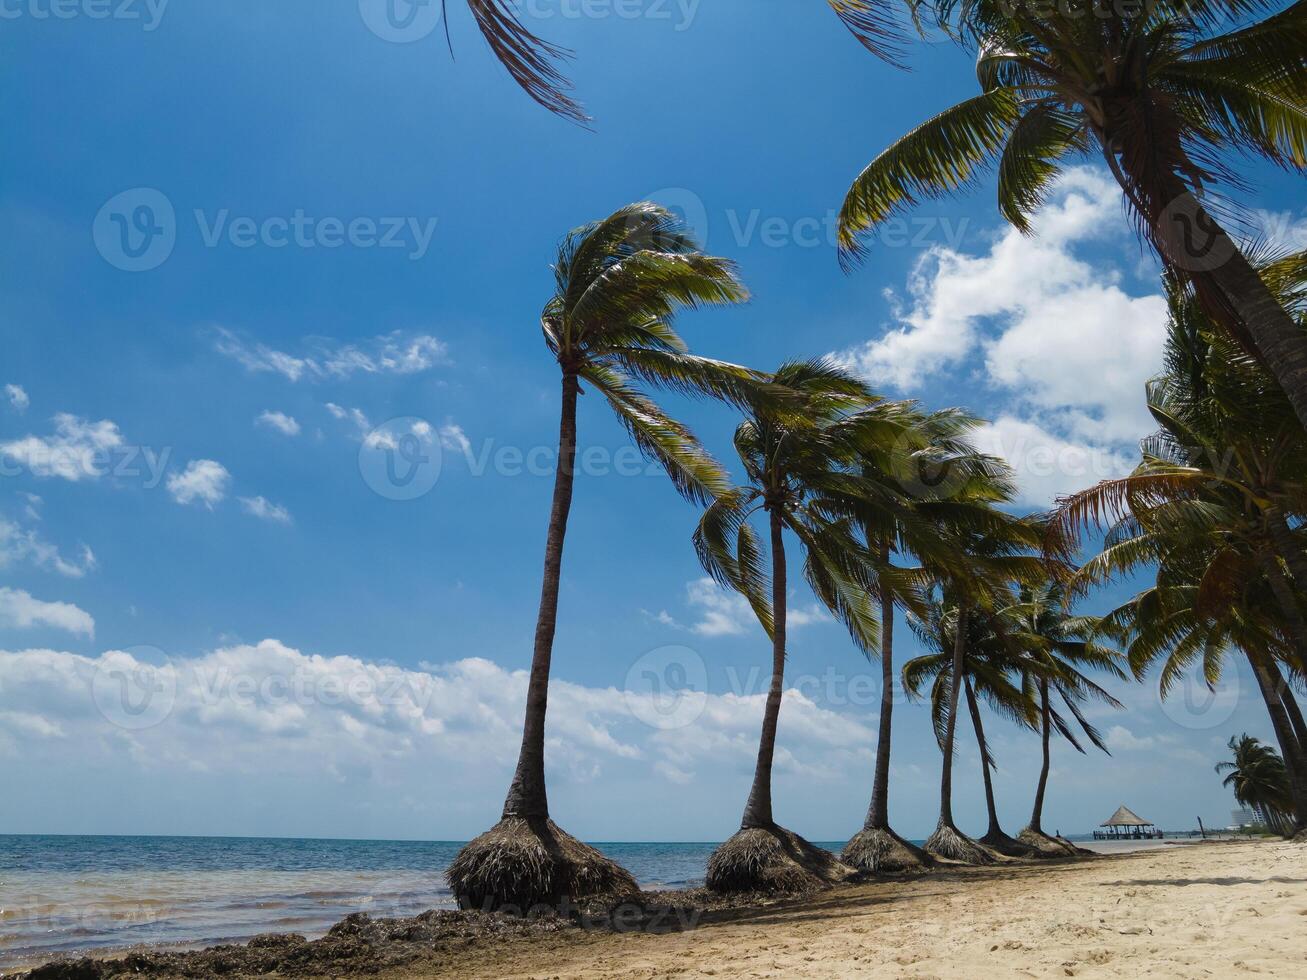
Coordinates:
64 894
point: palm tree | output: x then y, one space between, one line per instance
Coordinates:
793 462
919 473
975 594
1179 622
989 660
619 283
1060 646
1216 504
1155 89
1259 781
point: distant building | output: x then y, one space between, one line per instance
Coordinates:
1243 818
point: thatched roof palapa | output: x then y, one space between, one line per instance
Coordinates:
1125 817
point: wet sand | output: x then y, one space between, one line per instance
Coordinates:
1214 909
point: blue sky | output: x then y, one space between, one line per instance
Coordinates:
192 452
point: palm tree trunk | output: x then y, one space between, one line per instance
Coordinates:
1229 288
955 685
1289 747
526 795
878 812
1295 715
978 725
757 812
1287 601
1288 549
1045 729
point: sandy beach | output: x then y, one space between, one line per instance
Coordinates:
1210 909
1204 910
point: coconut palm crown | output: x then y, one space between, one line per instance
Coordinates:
1258 779
1163 92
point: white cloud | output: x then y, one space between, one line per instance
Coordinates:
1283 229
19 610
387 435
1058 340
32 509
722 612
1047 465
1121 739
265 509
279 422
453 437
204 481
267 708
20 544
354 415
392 353
77 450
18 399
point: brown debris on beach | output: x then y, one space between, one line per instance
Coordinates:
1214 909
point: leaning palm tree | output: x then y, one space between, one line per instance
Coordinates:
918 474
997 557
794 462
1156 90
1060 647
1259 781
989 663
609 325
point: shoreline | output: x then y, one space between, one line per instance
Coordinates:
1138 910
179 907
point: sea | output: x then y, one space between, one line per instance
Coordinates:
65 894
62 894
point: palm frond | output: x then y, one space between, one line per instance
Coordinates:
940 156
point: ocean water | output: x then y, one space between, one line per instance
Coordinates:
63 894
72 894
